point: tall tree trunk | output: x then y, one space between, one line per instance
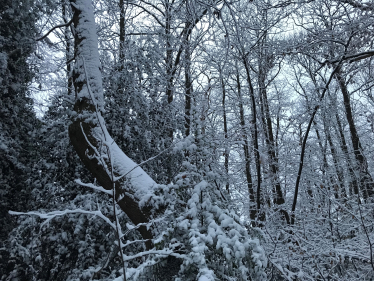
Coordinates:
278 197
303 144
188 86
169 90
227 151
88 133
255 137
366 181
344 147
67 50
169 65
338 169
122 33
323 150
353 184
252 200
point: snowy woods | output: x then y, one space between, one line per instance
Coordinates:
186 140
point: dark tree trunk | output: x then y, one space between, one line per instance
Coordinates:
169 65
338 169
67 50
353 184
252 200
303 145
255 137
122 33
188 86
365 179
227 152
278 197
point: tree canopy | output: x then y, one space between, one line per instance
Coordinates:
186 140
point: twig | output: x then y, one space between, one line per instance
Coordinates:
53 28
99 188
149 159
351 58
301 163
52 215
117 225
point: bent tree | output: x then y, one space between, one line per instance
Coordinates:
88 133
138 195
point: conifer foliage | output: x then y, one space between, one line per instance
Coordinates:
18 123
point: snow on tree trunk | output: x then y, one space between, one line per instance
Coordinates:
88 133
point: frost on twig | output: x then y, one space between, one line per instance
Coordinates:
90 185
51 215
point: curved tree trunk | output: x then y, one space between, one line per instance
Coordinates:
88 134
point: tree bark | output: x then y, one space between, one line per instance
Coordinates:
366 181
89 135
227 152
335 161
122 33
67 50
255 137
269 139
188 86
247 159
169 65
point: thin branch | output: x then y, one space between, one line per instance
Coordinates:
301 163
358 5
153 6
90 185
52 215
149 13
53 28
109 153
351 58
149 159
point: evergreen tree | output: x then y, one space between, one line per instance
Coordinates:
18 123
